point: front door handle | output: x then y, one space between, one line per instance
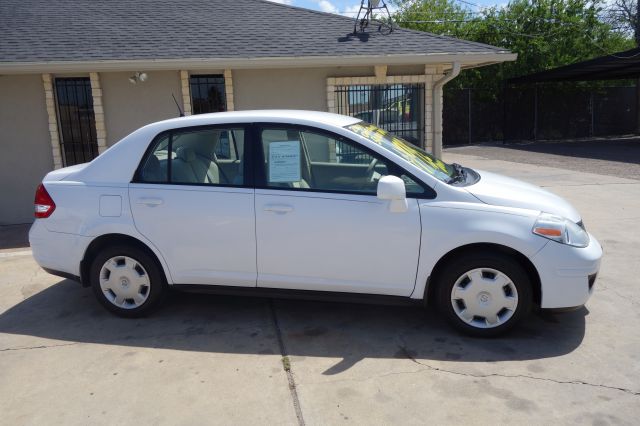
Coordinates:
151 202
278 208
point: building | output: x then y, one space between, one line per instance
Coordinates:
78 75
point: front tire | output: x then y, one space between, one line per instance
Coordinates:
127 281
484 295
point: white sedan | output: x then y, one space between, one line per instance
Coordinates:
266 202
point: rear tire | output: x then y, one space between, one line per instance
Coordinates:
484 294
127 281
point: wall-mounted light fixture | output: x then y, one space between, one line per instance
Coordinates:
138 77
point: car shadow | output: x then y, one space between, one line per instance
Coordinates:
226 324
14 236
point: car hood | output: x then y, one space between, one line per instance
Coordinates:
500 190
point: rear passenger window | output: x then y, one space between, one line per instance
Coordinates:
204 156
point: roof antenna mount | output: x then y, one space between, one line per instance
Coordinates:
180 111
366 16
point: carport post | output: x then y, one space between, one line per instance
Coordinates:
535 112
469 108
593 113
638 105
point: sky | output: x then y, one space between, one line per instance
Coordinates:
350 7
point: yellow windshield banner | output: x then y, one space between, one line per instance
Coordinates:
401 147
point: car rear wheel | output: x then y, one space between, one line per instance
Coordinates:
485 294
127 281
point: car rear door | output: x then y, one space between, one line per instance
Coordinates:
193 198
319 224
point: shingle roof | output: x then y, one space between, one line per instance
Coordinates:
102 30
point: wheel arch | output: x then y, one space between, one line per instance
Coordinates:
523 260
106 240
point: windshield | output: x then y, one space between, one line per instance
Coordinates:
416 156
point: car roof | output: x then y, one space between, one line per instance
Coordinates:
267 115
118 163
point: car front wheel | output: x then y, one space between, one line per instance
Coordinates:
127 281
484 295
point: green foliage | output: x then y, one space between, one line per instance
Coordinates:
445 17
544 33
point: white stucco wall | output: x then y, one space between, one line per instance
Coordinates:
130 106
25 145
295 88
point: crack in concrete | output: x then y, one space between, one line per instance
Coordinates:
38 347
286 364
617 293
481 376
406 352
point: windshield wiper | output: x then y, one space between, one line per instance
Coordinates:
460 173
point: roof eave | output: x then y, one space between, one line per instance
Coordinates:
467 60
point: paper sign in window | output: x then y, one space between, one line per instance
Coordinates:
284 162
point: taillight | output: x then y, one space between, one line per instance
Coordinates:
44 205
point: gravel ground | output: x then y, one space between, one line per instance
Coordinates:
620 158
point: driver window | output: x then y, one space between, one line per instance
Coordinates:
304 159
338 165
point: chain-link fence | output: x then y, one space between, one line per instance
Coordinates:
537 113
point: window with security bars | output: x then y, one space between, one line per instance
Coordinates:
76 120
208 93
397 108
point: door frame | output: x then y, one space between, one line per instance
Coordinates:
260 172
249 155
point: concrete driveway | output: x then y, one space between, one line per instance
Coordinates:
223 360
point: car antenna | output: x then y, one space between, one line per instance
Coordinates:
178 105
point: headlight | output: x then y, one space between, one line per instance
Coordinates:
559 229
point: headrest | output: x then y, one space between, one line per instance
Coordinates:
152 163
186 154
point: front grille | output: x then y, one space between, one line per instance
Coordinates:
592 280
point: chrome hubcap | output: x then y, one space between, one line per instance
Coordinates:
124 282
484 298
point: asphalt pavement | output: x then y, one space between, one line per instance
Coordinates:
612 157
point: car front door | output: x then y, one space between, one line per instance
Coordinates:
319 224
193 200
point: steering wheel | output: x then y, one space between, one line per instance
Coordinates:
371 169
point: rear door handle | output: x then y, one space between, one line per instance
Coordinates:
278 208
151 202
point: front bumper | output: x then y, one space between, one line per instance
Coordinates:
567 274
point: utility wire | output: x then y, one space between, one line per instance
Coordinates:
548 34
470 3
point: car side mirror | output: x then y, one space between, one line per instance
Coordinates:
392 188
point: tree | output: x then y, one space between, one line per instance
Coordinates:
544 33
623 17
443 17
